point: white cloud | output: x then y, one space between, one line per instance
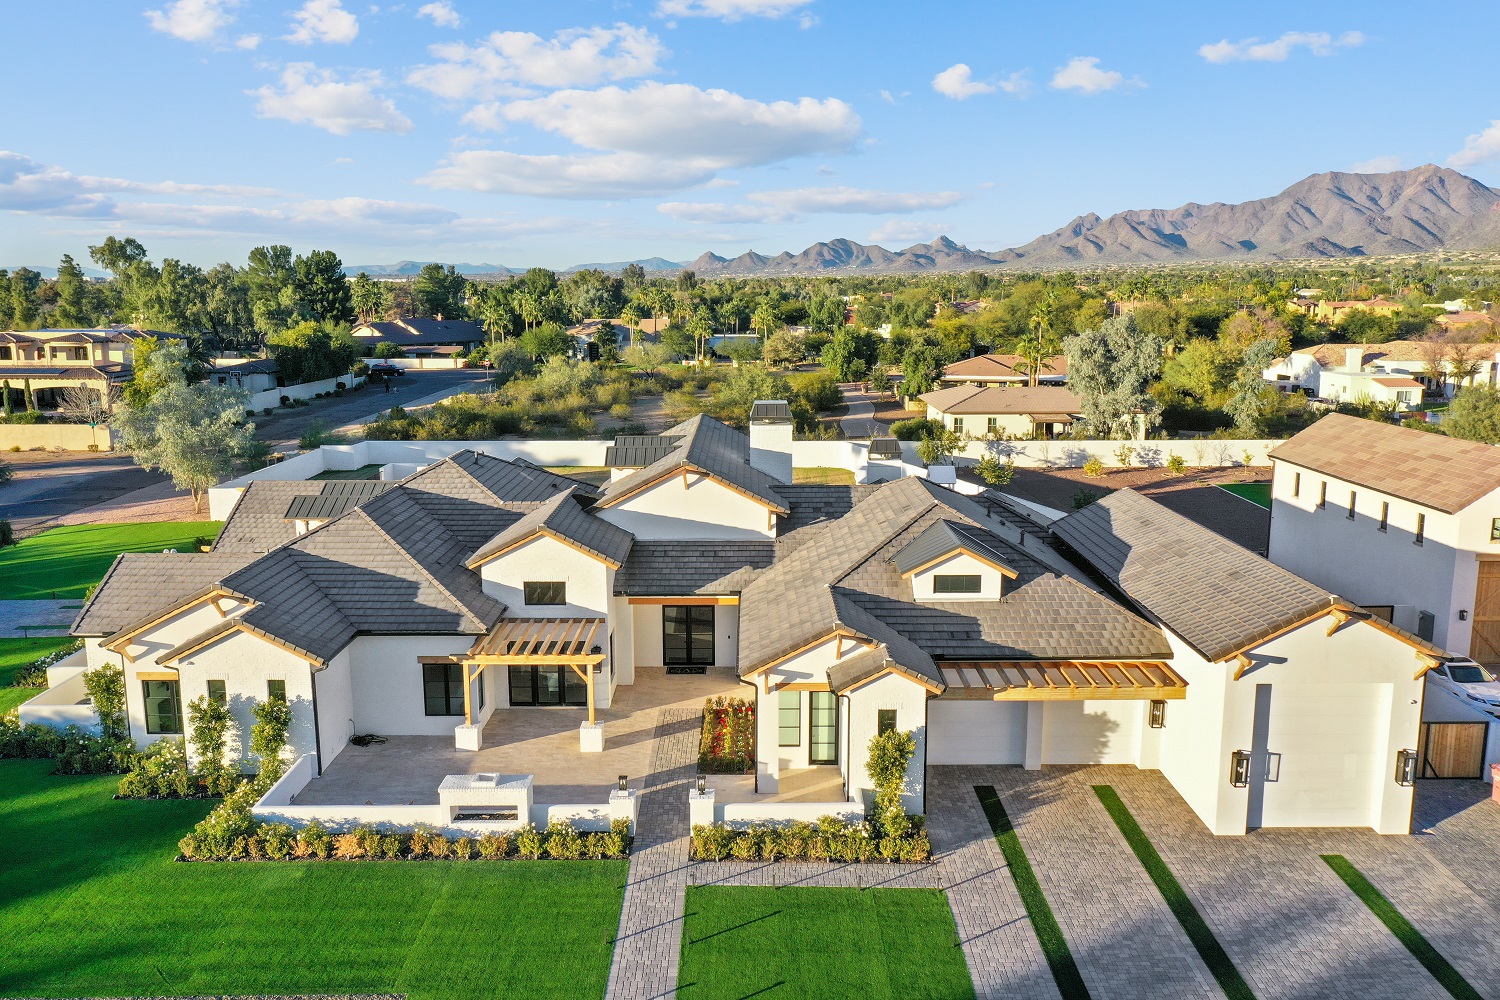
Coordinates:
323 21
856 200
1481 147
32 187
733 10
606 176
247 42
1084 75
193 20
442 13
717 213
1377 165
507 63
317 97
1319 43
958 83
900 231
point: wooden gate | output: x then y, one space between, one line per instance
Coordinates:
1484 645
1452 749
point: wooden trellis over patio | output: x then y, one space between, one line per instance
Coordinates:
569 642
1063 680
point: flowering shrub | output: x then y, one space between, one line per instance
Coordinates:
34 674
77 750
830 839
728 742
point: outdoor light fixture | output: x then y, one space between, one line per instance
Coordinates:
623 779
1158 715
1463 616
702 784
1239 768
595 650
1406 767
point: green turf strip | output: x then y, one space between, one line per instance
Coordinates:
1257 493
1054 946
64 562
1432 960
1213 954
92 904
801 941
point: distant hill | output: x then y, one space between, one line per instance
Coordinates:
50 271
648 264
409 268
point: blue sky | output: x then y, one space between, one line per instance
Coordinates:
570 131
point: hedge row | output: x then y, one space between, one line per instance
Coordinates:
830 839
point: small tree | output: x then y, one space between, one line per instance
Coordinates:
268 737
890 753
880 382
782 348
5 398
939 447
30 394
209 726
995 472
84 404
1474 414
386 349
106 687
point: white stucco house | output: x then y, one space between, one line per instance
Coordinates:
443 605
1396 372
1018 411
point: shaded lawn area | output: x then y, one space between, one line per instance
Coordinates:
823 474
15 654
92 904
805 942
68 560
1257 493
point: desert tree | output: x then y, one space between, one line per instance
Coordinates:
1111 368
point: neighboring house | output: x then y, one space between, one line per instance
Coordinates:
54 360
1405 523
1044 411
1481 323
252 376
420 337
1342 372
1006 369
478 587
1335 312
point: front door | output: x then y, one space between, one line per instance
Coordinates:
823 728
687 637
1484 645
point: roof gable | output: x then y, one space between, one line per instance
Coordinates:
562 518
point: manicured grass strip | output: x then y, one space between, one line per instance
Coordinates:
823 474
1257 493
1432 960
800 941
16 653
64 562
1213 954
1054 946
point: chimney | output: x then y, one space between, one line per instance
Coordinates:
1354 359
771 438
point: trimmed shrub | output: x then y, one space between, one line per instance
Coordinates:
831 839
438 846
494 846
1176 464
463 848
314 841
563 842
278 839
529 843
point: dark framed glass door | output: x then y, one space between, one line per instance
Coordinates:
822 728
547 686
687 635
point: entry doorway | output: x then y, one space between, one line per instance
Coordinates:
687 638
1484 645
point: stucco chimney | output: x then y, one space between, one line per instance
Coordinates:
771 438
1354 359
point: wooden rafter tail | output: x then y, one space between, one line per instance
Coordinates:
1244 665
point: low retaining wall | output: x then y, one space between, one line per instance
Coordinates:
305 390
420 364
66 437
703 811
66 704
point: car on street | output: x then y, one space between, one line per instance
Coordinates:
386 371
1473 682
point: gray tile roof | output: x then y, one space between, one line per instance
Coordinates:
1434 470
565 517
662 569
257 522
771 411
1217 596
885 448
141 584
516 481
940 539
716 450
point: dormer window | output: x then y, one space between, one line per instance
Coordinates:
956 583
954 561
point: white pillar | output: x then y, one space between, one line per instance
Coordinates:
1036 733
700 808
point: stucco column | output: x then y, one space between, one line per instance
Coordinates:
1036 734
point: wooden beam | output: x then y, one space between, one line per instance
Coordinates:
590 680
538 660
468 710
1428 662
696 601
157 675
1244 665
804 686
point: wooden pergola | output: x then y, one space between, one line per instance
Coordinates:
1063 680
567 642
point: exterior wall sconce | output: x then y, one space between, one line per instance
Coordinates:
1463 616
624 781
1158 715
1406 767
1239 768
702 784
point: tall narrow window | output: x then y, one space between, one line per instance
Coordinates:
479 683
1421 529
217 693
992 424
885 720
163 707
443 688
1495 530
276 691
1296 484
1385 515
789 719
1351 505
823 728
545 592
1323 495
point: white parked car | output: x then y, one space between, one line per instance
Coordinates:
1470 681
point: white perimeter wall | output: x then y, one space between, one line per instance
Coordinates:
304 390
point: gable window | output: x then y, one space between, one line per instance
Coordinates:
1296 484
1385 515
1421 529
687 635
885 720
958 425
276 691
443 688
789 719
545 592
163 707
951 583
1351 505
217 693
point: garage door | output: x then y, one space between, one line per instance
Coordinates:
1318 754
976 732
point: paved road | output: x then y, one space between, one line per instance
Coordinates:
286 426
52 484
859 423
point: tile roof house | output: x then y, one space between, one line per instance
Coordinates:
53 360
1348 371
476 590
419 336
1019 411
1006 369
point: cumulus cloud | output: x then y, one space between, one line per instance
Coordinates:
442 14
1377 165
313 96
1481 147
247 42
193 20
323 21
604 176
1084 75
510 63
40 188
1319 43
734 10
957 82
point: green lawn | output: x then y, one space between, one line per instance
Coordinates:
65 561
1257 493
92 904
804 942
823 474
15 654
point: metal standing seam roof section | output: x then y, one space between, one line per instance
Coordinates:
335 499
941 539
775 410
885 448
636 451
1063 680
517 639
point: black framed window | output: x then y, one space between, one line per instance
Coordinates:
479 684
687 635
443 688
163 707
949 583
217 693
789 719
885 720
276 691
547 686
545 592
